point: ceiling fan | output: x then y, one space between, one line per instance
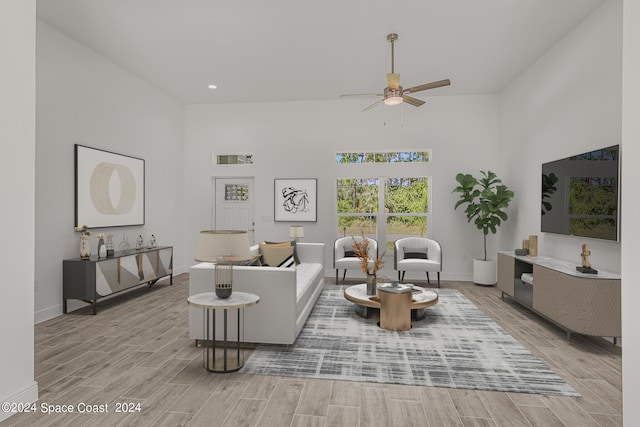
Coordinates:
394 94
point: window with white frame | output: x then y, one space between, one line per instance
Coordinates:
385 208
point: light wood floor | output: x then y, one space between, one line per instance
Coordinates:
136 350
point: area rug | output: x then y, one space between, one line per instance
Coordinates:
456 346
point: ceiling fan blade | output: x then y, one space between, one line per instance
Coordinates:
373 105
426 86
359 94
393 79
413 101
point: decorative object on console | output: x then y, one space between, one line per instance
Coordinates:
110 248
152 241
139 242
296 232
295 200
586 265
486 199
522 252
102 249
85 245
95 171
533 245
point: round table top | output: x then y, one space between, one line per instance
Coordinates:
210 300
421 299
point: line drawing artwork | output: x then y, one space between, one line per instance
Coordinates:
295 201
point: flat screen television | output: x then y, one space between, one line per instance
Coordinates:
580 195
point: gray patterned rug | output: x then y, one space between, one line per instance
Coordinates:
456 346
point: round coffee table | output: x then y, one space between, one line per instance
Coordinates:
421 299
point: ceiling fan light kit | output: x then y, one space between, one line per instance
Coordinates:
394 94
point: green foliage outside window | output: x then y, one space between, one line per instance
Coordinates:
384 157
407 196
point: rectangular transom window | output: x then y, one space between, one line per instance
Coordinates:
384 157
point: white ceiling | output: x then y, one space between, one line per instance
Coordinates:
290 50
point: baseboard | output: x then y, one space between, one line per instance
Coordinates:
47 314
28 395
72 305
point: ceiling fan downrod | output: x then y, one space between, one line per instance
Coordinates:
392 38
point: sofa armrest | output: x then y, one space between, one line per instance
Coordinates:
311 252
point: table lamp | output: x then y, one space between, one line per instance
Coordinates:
296 232
222 247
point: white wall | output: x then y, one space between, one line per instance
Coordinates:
568 102
300 140
630 176
17 189
84 98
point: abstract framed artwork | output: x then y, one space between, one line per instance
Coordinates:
296 200
109 188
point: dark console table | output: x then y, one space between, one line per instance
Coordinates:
95 278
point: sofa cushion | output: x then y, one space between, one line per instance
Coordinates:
273 255
307 277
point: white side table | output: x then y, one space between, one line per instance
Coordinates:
209 302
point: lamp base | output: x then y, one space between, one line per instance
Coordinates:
223 293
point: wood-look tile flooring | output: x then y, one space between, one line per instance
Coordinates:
137 350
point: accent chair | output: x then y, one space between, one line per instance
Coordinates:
417 254
344 257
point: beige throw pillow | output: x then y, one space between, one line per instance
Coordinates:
274 255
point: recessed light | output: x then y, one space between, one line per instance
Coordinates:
212 87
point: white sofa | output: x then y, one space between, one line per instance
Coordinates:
287 296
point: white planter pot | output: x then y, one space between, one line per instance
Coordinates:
484 272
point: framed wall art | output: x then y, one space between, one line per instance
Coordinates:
109 188
296 200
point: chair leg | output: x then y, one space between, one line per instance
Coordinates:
402 280
336 276
344 275
399 276
438 279
428 281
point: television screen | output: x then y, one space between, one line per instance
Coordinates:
580 195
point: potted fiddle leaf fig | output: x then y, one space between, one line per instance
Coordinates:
486 199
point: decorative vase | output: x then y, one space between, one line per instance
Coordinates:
85 248
110 248
371 284
102 249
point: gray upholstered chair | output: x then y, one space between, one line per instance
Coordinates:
417 254
344 257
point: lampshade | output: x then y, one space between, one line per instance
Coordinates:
296 231
217 243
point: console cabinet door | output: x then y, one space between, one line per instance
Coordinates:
107 277
506 273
